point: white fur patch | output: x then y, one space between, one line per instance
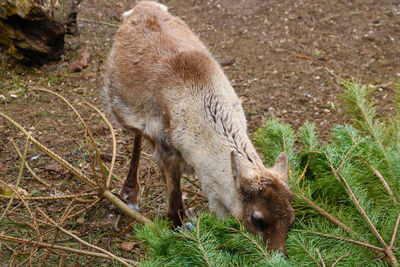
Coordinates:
127 13
257 214
164 8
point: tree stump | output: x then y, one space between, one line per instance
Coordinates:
28 33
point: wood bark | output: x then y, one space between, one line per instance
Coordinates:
28 33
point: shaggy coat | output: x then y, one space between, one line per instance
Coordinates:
162 83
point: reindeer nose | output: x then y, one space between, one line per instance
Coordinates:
283 251
280 249
276 246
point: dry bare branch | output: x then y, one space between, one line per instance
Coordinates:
379 175
320 257
63 248
21 172
303 174
86 209
309 254
98 22
340 176
87 130
55 197
125 209
326 215
49 152
114 143
396 228
82 241
28 167
363 244
337 261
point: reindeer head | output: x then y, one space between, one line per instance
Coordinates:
266 200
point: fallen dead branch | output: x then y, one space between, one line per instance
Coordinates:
82 241
63 248
302 56
99 184
34 175
98 22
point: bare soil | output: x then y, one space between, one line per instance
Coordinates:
283 57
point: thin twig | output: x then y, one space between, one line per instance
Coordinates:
87 129
303 174
53 155
337 261
114 143
378 258
54 197
396 227
338 78
182 188
338 174
320 257
301 56
191 181
29 168
114 176
379 175
98 22
200 244
21 172
125 209
251 240
363 244
92 165
67 249
385 184
341 14
89 207
326 215
67 211
388 250
34 226
373 132
346 157
82 241
309 254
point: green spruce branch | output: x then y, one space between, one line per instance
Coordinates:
346 201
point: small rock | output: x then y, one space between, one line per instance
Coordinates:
53 166
80 63
227 61
127 246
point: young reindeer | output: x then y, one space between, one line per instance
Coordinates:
163 84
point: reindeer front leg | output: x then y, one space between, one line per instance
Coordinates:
175 205
131 188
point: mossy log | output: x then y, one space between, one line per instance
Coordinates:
28 33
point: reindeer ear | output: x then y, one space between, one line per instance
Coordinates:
281 167
237 170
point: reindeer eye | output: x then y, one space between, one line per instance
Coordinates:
257 222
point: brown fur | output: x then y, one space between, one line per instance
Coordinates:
277 217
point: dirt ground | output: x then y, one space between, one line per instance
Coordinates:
283 57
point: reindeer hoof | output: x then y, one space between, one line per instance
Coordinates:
189 226
134 207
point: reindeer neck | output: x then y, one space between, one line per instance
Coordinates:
226 116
